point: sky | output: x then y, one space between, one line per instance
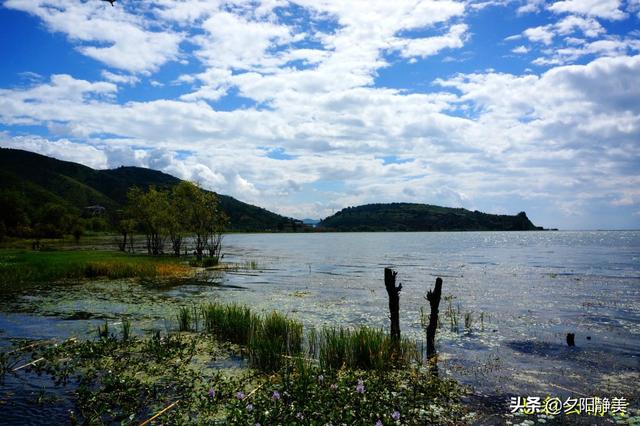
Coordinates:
305 107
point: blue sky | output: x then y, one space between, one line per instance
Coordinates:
305 107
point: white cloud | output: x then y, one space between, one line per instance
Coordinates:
108 34
428 46
61 149
531 6
520 49
120 78
543 34
589 26
605 9
477 139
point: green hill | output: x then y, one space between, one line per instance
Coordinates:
422 217
29 181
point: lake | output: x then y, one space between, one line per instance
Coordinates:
521 293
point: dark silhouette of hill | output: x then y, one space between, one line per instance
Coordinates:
422 217
40 179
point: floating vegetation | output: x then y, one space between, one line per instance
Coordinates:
130 381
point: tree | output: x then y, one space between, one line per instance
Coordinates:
126 227
183 197
151 212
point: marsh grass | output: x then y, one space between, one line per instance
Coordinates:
126 329
232 323
468 321
363 348
23 266
185 318
273 336
103 331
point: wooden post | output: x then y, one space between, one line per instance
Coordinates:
571 339
394 302
434 301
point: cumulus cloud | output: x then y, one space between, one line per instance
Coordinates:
62 149
304 80
110 35
429 46
606 9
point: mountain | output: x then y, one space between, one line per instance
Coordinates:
37 180
422 217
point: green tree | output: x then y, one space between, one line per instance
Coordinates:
151 212
13 213
183 197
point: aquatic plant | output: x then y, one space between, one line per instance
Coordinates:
103 331
272 337
126 328
468 321
232 323
185 318
363 348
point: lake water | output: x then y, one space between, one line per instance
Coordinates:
522 290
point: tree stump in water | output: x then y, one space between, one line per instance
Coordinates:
394 303
434 301
571 339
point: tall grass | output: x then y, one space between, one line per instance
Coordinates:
272 337
126 329
233 323
185 318
363 348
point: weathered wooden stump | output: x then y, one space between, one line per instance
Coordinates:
394 303
434 302
571 339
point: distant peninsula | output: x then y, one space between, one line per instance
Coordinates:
421 217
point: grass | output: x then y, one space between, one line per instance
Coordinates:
362 348
233 323
273 336
126 329
185 319
23 266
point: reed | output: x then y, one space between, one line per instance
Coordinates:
233 323
363 348
103 331
126 329
335 347
468 321
272 337
185 318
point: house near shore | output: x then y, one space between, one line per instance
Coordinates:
95 210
